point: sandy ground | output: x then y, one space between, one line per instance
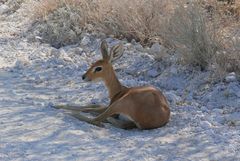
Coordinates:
204 124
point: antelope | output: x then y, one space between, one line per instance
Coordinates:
145 107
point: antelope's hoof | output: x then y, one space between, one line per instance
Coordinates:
99 124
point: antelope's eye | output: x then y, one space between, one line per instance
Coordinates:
98 69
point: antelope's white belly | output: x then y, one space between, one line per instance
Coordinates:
124 117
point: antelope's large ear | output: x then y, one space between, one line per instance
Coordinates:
116 52
104 50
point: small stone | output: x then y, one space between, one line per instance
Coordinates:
152 73
231 77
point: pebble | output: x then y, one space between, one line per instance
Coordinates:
156 48
3 9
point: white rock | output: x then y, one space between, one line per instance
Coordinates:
38 37
231 77
3 8
85 41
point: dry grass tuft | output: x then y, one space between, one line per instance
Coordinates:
59 22
194 38
139 20
228 60
44 7
199 30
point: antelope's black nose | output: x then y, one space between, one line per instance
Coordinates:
83 77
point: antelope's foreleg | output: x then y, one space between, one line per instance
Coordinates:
95 121
89 108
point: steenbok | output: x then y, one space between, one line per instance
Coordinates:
145 107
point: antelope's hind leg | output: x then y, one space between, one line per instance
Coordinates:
121 123
113 109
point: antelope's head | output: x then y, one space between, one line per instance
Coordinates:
101 69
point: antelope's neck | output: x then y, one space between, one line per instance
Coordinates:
113 85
